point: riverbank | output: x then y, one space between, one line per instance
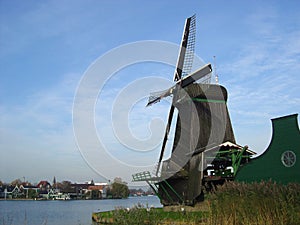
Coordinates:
233 203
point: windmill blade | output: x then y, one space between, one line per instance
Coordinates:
185 59
165 137
178 74
157 96
190 48
197 75
186 53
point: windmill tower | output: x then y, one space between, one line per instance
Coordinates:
203 122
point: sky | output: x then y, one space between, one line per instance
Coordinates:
48 50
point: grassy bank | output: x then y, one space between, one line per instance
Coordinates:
150 217
154 216
232 203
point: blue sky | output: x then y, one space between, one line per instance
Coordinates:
46 48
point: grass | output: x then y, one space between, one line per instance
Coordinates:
154 216
230 204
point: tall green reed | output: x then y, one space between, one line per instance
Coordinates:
255 203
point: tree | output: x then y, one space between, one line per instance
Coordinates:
16 182
65 186
119 190
32 194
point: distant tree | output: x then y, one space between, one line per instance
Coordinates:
119 190
27 183
65 186
16 182
150 191
118 180
32 194
1 183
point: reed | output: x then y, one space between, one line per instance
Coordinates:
255 203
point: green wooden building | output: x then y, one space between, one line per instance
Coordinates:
281 160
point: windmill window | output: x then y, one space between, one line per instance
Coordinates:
288 158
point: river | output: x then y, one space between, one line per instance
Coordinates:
73 212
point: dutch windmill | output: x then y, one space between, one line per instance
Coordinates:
182 77
202 123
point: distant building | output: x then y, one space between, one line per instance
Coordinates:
44 185
100 191
89 190
44 190
26 189
10 192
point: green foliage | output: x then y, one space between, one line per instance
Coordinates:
256 203
32 194
119 190
150 216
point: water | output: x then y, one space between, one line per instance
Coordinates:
76 212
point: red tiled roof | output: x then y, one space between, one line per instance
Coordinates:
96 187
43 183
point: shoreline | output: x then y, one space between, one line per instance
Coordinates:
42 199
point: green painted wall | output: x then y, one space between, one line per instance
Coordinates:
269 165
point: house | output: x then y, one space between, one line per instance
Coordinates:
10 192
80 190
2 192
44 188
89 190
28 189
98 191
44 185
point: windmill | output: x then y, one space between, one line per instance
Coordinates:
202 125
182 77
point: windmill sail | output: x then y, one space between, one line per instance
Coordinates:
189 28
190 48
157 96
165 137
200 74
186 54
